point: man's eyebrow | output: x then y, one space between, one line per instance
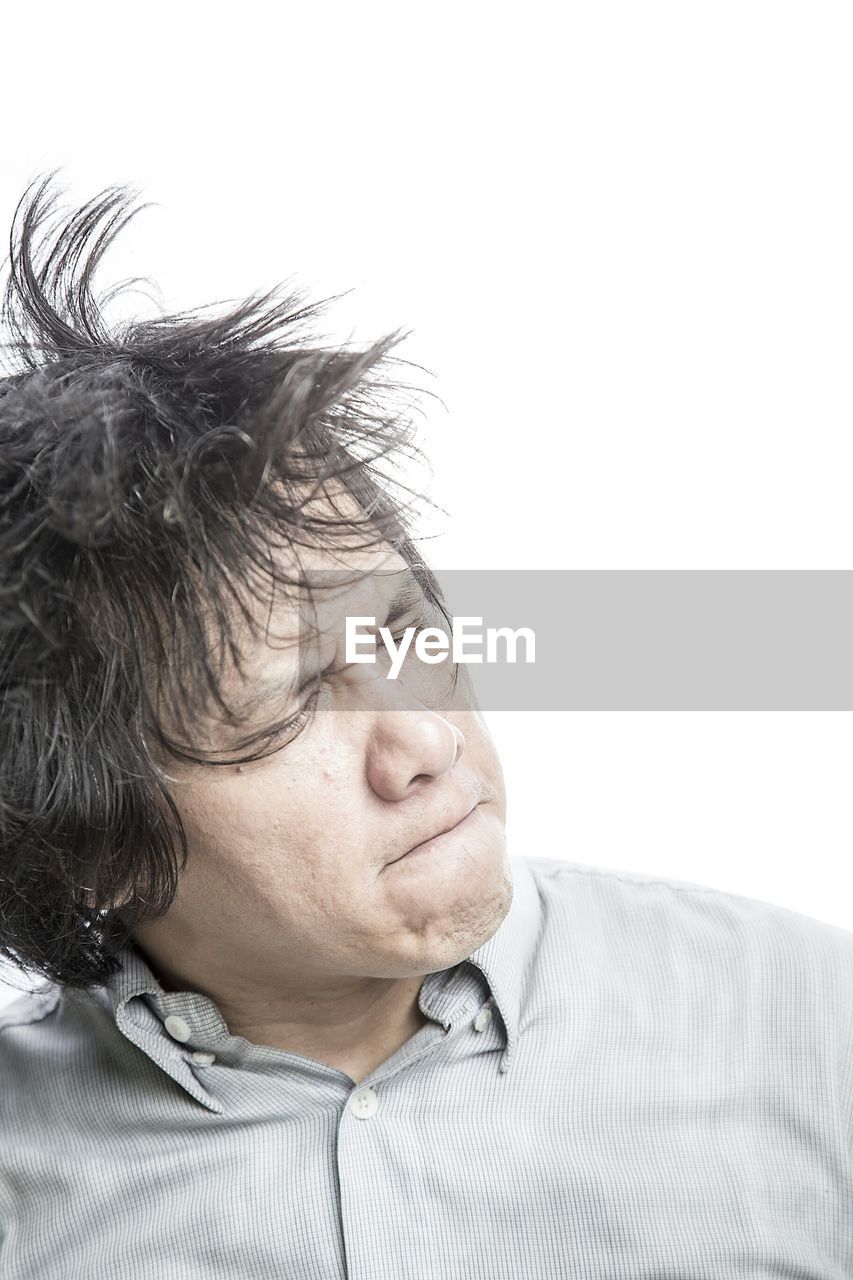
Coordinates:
408 594
286 688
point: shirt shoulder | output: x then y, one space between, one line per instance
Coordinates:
636 884
29 1007
658 923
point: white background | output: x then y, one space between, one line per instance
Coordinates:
622 235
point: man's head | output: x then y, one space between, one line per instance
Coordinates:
182 500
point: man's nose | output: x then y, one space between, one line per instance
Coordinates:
407 745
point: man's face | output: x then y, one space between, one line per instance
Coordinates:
298 861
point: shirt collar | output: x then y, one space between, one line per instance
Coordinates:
504 961
140 1020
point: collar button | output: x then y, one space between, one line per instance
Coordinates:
482 1019
177 1028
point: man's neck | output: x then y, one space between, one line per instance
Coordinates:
360 1062
351 1034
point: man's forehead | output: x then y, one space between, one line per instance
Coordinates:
296 633
299 615
281 618
328 588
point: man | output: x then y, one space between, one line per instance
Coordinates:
304 1015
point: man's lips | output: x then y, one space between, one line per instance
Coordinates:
449 826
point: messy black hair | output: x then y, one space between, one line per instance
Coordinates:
146 471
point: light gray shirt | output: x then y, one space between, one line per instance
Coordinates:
634 1078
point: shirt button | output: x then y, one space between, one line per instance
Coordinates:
177 1028
482 1019
364 1104
205 1058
